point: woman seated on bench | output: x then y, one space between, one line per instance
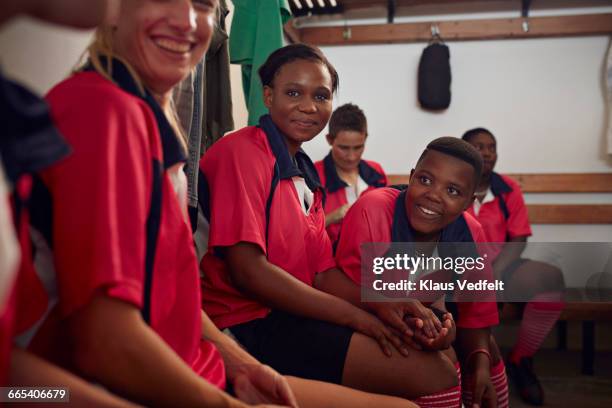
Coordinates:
500 208
268 244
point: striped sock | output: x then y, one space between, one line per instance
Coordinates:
539 317
500 382
450 398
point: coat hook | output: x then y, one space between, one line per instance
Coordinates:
346 33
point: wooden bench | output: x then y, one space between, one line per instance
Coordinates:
586 312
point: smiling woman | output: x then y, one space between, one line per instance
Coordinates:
125 265
268 249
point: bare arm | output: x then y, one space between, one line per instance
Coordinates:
508 254
30 370
114 346
280 290
253 382
477 364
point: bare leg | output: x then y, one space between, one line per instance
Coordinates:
317 394
421 373
533 278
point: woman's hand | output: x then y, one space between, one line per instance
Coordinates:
483 391
394 314
443 340
260 384
369 325
337 215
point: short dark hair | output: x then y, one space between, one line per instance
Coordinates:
457 148
469 135
290 53
347 117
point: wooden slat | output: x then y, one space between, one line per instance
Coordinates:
398 178
549 183
587 311
292 32
575 311
570 213
481 29
565 183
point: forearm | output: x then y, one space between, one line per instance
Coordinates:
280 290
234 356
117 349
470 340
510 252
336 283
30 370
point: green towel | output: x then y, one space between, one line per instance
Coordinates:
257 31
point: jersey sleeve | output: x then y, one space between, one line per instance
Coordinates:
101 196
325 259
518 221
239 178
384 177
483 312
355 231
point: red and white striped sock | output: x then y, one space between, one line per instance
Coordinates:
539 317
450 398
499 380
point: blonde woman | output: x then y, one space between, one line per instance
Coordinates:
128 314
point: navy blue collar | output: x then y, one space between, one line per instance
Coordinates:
173 151
402 231
333 182
498 185
29 142
302 167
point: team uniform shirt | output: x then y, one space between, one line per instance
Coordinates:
339 193
116 226
239 171
380 217
29 143
498 226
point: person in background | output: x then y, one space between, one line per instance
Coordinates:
343 173
500 209
268 248
29 143
111 230
430 210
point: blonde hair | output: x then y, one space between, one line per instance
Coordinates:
100 49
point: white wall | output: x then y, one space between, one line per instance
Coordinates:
39 54
542 98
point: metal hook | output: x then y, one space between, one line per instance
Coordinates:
346 33
525 14
435 32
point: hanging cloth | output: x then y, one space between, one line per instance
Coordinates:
257 31
204 104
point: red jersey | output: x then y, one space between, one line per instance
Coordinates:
380 217
252 198
506 215
370 172
117 227
29 143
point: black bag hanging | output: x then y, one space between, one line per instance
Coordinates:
434 78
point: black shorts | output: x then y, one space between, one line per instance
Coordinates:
297 346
